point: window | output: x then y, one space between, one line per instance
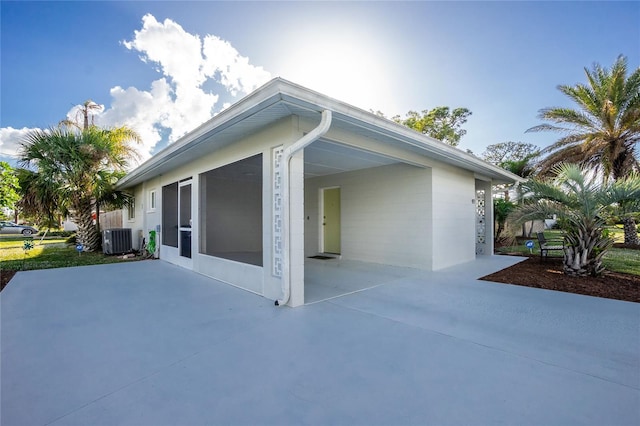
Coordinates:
131 209
152 200
231 211
170 215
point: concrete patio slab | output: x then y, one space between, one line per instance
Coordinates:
149 343
331 278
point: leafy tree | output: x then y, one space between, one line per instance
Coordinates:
77 168
579 199
517 158
440 123
39 198
499 153
603 131
9 186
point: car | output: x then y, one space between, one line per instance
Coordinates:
7 228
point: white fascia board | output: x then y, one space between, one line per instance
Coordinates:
280 90
345 112
244 108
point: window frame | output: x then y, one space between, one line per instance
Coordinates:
131 210
153 200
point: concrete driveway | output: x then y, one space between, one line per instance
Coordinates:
148 343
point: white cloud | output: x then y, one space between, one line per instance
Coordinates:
10 139
178 53
178 102
182 98
234 70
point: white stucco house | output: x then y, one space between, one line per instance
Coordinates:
287 173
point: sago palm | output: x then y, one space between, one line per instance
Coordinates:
74 163
579 200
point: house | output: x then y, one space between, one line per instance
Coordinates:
287 173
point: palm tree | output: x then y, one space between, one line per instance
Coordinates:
76 165
107 195
85 110
579 199
525 168
626 208
39 199
603 131
501 210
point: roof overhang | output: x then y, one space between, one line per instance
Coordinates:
280 98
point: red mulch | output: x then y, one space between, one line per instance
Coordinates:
548 275
5 277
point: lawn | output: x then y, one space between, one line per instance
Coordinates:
50 253
626 261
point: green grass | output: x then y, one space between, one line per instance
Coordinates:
622 260
617 233
52 253
616 259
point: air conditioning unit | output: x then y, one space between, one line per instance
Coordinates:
116 241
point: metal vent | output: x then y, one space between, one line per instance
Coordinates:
116 241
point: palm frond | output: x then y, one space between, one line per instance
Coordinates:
606 122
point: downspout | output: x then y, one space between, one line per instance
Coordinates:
287 154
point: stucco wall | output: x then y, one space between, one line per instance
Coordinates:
250 277
146 218
385 214
453 216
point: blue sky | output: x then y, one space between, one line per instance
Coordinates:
502 60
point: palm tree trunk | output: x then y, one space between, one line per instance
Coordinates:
630 231
87 234
499 230
585 248
97 226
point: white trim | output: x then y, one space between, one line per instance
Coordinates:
280 91
153 200
131 210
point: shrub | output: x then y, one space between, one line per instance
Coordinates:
63 234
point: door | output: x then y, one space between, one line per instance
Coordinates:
184 219
331 220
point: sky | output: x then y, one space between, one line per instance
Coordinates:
164 67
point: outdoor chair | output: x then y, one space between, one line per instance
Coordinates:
548 245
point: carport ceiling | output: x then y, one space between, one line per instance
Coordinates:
326 158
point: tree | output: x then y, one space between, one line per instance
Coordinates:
76 168
84 110
439 123
627 209
9 186
579 199
39 199
602 132
502 152
501 210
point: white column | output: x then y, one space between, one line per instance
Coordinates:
296 219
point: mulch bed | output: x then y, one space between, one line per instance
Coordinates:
548 275
5 277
